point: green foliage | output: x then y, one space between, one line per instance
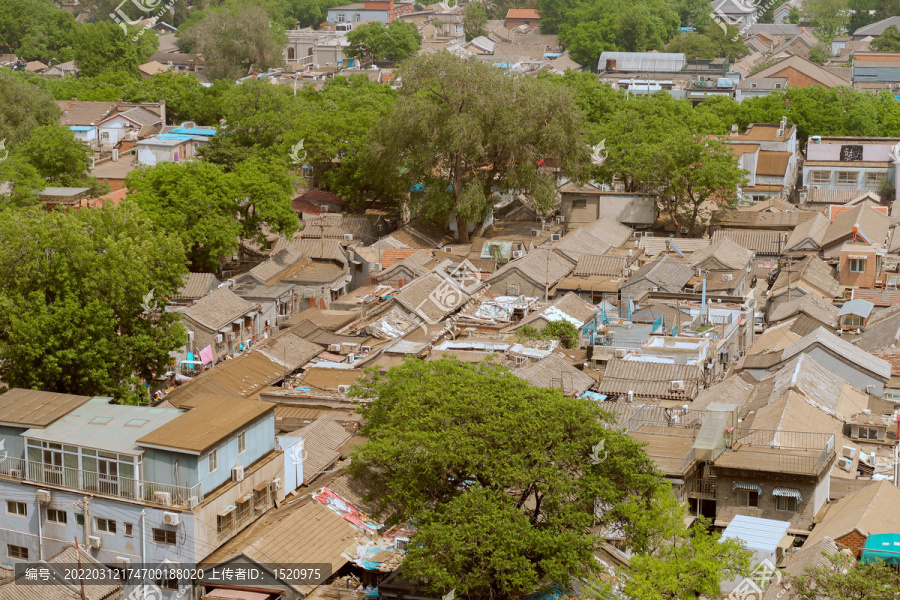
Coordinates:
567 334
396 41
841 578
498 476
21 179
889 41
186 98
59 158
820 53
23 108
36 30
794 15
476 18
713 43
829 17
478 135
70 301
691 565
208 209
104 47
235 40
109 86
310 13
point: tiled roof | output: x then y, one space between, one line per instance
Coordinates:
811 274
828 196
58 587
279 265
218 309
197 285
555 371
337 226
424 297
79 112
810 304
807 68
653 246
523 13
289 349
579 242
772 163
666 272
610 231
725 251
602 264
840 348
322 196
871 510
536 267
810 557
389 257
873 226
649 379
878 297
759 241
877 28
570 305
732 390
884 335
739 219
321 441
813 230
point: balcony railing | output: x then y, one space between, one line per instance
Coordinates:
780 451
162 494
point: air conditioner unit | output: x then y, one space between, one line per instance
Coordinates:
727 277
94 541
232 336
555 237
219 338
845 463
237 473
648 234
192 502
849 452
173 519
676 386
561 219
365 349
276 484
621 352
375 267
344 389
448 249
43 497
334 347
121 561
518 253
627 272
164 498
535 232
348 237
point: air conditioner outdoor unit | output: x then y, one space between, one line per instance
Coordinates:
727 277
94 541
518 254
121 561
276 484
173 519
365 349
845 463
344 389
164 498
43 497
192 502
555 237
237 473
232 336
219 338
684 231
648 234
375 267
535 232
849 452
621 352
348 237
448 249
334 347
676 386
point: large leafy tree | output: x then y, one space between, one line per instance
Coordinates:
209 210
476 18
36 30
396 41
23 108
105 47
73 283
500 479
841 578
713 42
889 41
59 158
186 98
830 17
464 127
235 40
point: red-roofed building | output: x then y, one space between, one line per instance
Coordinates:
835 210
522 16
113 198
316 202
389 257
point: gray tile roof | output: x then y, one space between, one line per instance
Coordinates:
218 309
877 28
809 304
873 226
610 231
535 267
878 338
650 379
579 242
726 251
666 272
654 246
197 285
570 304
60 588
278 265
732 390
556 372
813 230
842 349
759 241
431 297
811 273
600 264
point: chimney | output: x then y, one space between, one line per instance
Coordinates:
162 110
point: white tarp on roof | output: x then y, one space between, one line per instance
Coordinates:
655 62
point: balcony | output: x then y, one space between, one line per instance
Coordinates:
160 494
795 452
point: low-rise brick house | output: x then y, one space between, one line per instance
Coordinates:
222 321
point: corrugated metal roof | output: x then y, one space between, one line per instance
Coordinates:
600 264
31 408
649 379
759 241
773 163
321 441
763 535
858 307
841 348
655 62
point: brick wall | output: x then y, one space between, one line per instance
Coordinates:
853 540
726 499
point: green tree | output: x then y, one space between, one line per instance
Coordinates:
458 129
71 318
36 30
841 578
830 17
395 41
59 158
499 477
862 14
235 40
568 335
186 98
794 15
820 53
210 210
712 43
21 181
476 18
104 47
889 41
23 108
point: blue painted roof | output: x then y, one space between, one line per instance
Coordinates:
193 131
80 127
417 187
173 136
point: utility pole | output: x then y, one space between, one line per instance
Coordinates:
80 579
547 284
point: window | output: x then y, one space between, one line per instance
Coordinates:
820 177
852 321
224 522
847 178
868 433
874 178
106 526
292 54
79 519
56 516
129 529
579 203
242 442
777 86
748 498
16 508
786 503
213 461
857 265
17 552
341 18
164 536
752 86
356 17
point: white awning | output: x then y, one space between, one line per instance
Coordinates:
741 485
787 493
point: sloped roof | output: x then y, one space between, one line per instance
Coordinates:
579 242
81 112
649 379
278 265
871 510
321 441
522 13
759 241
218 309
289 349
773 163
814 229
809 304
536 267
873 226
877 28
878 338
555 371
814 556
858 307
423 297
665 272
569 307
732 390
809 69
822 388
726 251
841 349
812 274
31 408
196 285
600 264
610 231
654 246
58 587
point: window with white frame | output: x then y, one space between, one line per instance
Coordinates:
874 178
106 526
341 18
820 177
242 442
16 508
868 433
847 178
212 461
857 265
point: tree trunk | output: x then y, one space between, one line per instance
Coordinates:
462 230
